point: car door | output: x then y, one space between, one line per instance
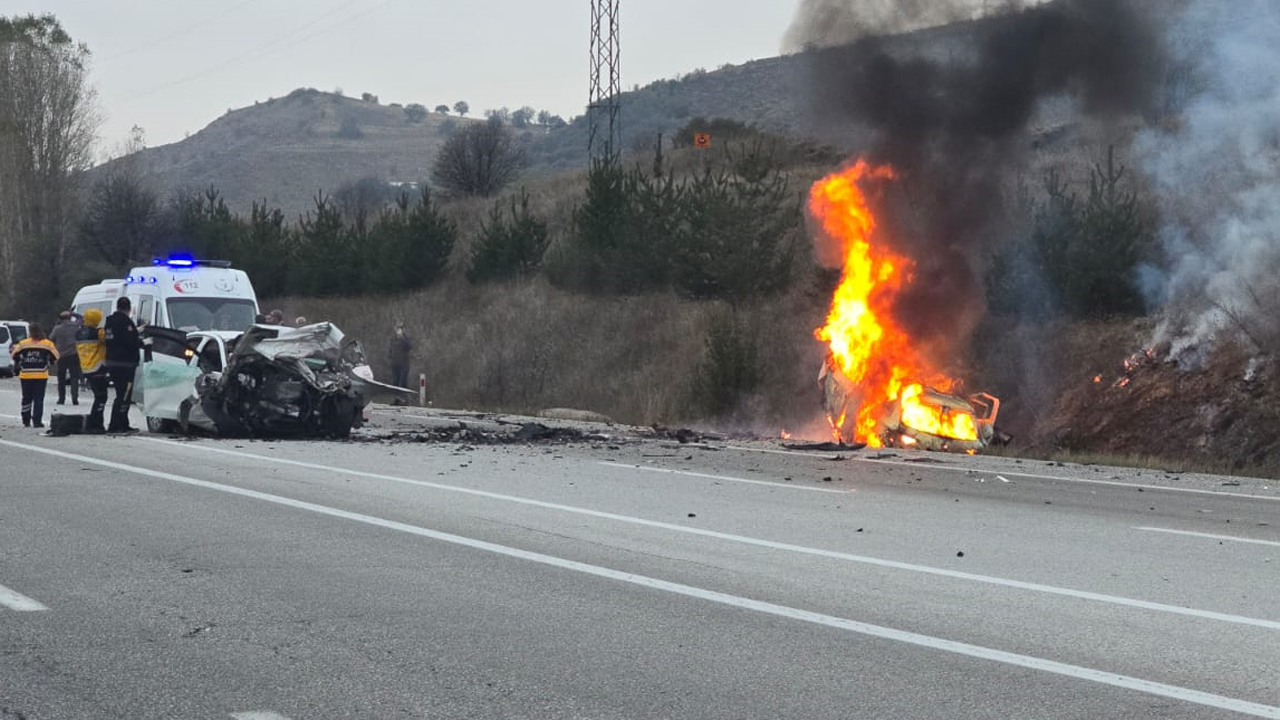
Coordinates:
167 374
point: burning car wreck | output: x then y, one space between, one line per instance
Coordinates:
885 381
919 417
269 381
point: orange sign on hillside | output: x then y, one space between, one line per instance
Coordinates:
702 140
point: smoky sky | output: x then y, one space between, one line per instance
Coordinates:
951 108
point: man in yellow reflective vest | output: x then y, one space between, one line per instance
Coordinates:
93 355
33 358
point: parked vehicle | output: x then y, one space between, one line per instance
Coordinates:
12 332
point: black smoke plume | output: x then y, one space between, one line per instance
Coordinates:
951 109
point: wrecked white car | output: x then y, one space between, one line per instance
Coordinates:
920 416
269 381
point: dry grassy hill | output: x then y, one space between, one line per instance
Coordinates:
286 150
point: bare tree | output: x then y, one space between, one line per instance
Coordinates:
523 117
47 124
123 221
479 159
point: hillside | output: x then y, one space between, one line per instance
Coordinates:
285 150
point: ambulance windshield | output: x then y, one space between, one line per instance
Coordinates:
193 313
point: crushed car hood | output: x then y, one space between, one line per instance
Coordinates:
277 381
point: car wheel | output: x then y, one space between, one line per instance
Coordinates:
161 425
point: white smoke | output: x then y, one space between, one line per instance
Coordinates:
1215 167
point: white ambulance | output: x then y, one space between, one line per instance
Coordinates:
205 297
179 292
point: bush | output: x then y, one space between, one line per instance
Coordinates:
731 367
349 129
739 231
621 234
411 243
506 249
1081 255
328 259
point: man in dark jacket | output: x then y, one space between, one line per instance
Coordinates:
63 336
398 356
124 351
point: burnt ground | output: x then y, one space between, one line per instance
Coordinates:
496 429
1221 414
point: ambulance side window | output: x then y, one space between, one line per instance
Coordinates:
146 310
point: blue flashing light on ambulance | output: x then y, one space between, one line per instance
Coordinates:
180 292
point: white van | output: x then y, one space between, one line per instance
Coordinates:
179 292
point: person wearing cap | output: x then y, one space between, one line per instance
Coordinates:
63 337
398 355
91 351
32 359
124 351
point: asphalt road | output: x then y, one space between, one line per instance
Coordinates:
621 575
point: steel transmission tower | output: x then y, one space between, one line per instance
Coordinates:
604 131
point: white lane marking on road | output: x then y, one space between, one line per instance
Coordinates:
726 478
258 715
1014 473
1079 672
18 601
1210 536
757 542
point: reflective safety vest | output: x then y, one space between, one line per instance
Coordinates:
91 349
33 359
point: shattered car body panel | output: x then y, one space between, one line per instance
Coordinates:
268 381
921 417
971 421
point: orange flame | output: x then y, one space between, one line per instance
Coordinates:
866 342
935 420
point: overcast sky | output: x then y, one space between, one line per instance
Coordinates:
174 66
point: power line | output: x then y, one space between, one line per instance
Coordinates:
179 32
269 49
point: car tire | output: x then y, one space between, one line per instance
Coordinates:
161 425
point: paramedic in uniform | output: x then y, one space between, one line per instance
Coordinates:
124 351
93 354
33 358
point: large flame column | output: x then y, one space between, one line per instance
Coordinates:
876 358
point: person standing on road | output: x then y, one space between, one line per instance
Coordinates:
63 336
92 354
398 355
124 351
33 358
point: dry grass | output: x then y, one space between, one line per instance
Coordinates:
525 346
